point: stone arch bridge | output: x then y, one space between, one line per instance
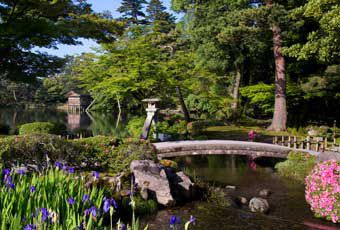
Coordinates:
213 147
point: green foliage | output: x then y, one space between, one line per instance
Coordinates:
161 20
96 153
177 129
297 166
135 126
260 97
209 106
53 188
218 196
42 128
132 10
142 207
322 40
130 151
24 26
32 149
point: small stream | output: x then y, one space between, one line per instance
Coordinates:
288 209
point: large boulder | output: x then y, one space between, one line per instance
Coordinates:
257 204
150 175
184 181
182 187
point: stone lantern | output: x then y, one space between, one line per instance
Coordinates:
151 111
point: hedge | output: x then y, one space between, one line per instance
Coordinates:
42 128
95 153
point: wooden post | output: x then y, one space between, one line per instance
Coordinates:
275 140
283 141
308 143
317 146
295 142
289 140
326 143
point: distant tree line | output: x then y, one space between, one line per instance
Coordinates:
266 59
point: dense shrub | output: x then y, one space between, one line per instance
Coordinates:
4 129
42 128
135 126
129 151
297 166
323 190
176 129
32 149
95 153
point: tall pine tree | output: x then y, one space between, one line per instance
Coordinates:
161 20
132 11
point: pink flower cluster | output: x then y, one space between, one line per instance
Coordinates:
323 190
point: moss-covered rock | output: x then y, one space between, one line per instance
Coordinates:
297 166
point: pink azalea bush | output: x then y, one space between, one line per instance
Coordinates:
323 190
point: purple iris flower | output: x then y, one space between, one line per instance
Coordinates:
65 168
86 198
8 182
70 200
91 211
71 170
30 227
6 172
106 206
21 171
58 165
192 219
33 189
44 214
173 220
95 174
114 203
11 185
108 203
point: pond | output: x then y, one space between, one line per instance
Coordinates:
94 123
288 209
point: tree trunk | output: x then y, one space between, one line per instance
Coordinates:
183 106
280 108
236 90
14 95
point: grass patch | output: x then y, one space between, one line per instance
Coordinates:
240 132
297 166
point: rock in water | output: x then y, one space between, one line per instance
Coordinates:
185 181
265 192
242 200
257 204
148 172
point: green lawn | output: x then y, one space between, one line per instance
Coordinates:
239 132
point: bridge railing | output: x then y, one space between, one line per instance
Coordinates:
307 143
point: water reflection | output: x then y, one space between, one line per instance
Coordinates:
93 123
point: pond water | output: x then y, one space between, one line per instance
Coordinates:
94 123
288 209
